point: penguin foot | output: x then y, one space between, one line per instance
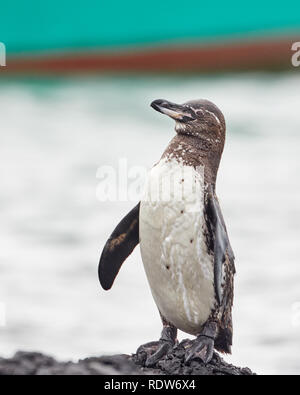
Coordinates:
202 348
151 353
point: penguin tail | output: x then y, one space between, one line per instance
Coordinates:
223 341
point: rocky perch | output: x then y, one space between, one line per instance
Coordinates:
32 363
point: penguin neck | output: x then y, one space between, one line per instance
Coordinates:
195 151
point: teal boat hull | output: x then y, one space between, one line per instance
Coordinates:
96 33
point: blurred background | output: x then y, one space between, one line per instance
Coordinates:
74 96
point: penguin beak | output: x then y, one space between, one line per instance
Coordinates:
177 112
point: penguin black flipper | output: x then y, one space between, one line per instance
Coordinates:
118 247
218 241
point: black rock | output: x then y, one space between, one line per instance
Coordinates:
174 364
31 363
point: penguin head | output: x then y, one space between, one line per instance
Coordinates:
198 118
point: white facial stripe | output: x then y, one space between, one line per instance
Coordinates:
217 119
202 110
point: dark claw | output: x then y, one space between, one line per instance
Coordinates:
151 353
202 348
163 349
147 347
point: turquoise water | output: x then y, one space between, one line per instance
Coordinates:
41 26
54 136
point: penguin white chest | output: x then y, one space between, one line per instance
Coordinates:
173 245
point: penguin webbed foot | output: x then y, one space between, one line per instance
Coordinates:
202 348
203 345
151 353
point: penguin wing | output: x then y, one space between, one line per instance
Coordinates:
218 241
118 247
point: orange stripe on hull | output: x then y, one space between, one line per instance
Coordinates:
221 57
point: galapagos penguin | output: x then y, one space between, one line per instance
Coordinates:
183 239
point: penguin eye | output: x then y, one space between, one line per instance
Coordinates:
200 114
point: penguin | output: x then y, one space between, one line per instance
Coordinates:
185 249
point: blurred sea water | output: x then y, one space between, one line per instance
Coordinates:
55 134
